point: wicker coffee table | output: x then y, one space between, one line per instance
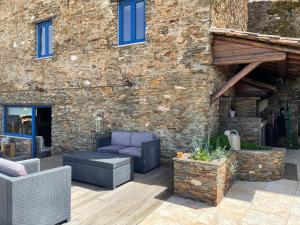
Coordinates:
102 169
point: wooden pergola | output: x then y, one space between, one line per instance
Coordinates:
275 53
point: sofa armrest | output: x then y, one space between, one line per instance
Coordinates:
151 149
103 141
46 195
31 165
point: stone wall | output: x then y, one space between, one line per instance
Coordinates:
231 14
278 17
162 85
246 107
265 165
203 181
249 128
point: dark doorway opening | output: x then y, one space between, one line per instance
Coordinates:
43 125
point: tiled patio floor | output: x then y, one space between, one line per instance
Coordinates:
259 203
293 156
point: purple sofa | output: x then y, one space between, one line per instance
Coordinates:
143 147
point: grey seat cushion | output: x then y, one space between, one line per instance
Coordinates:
113 149
11 168
137 138
120 138
131 151
103 160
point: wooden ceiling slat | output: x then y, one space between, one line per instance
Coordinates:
242 52
258 44
220 46
245 59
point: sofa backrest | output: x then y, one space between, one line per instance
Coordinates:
120 138
127 138
137 138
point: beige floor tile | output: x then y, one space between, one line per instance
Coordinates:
232 211
297 200
265 196
254 217
158 220
186 211
238 200
284 182
293 221
279 187
223 220
247 185
272 208
181 201
244 197
295 211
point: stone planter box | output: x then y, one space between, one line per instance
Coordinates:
261 165
203 181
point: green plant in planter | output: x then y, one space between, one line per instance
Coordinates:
223 141
204 150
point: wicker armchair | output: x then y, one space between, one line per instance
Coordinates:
39 198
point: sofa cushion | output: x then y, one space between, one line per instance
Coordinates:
120 138
131 151
114 149
137 138
12 169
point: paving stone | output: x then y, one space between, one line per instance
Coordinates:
254 217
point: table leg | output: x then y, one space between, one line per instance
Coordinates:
12 149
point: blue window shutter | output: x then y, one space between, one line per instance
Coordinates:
44 39
131 27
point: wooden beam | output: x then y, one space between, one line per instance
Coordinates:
244 72
260 85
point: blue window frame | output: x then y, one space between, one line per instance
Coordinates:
44 32
20 121
132 21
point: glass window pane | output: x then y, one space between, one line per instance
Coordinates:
51 39
19 120
140 20
43 40
127 23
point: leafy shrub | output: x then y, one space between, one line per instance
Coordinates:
204 150
223 141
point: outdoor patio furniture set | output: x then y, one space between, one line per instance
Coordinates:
117 156
29 196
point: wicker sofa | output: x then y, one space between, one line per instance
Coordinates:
39 198
143 147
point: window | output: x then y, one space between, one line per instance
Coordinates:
44 32
131 21
18 121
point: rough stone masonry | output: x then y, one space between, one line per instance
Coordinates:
162 85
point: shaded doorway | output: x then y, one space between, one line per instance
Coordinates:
43 125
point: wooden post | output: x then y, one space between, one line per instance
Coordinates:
244 72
